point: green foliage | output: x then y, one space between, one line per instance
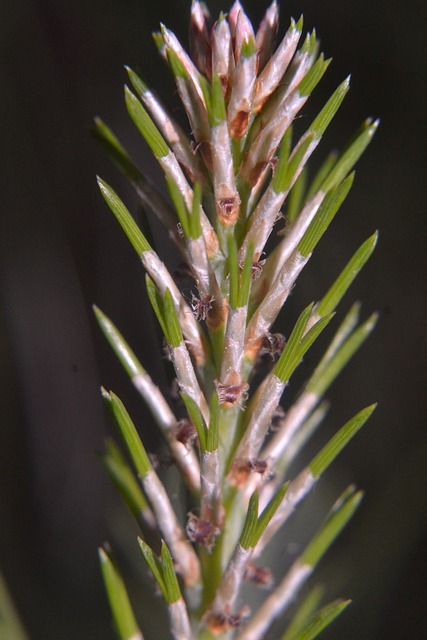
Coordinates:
322 619
145 125
327 210
165 311
331 299
330 451
314 76
124 218
10 625
294 163
341 513
298 344
128 433
124 480
163 571
267 514
197 419
303 613
119 345
121 608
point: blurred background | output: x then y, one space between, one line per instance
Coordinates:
61 63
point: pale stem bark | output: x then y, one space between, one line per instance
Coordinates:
240 104
273 302
290 424
195 108
263 221
183 553
288 245
295 417
260 419
154 200
200 265
277 602
221 52
148 518
189 326
233 344
159 408
274 70
172 132
229 588
298 489
227 199
173 43
269 138
281 464
171 168
180 626
266 34
199 36
187 379
210 495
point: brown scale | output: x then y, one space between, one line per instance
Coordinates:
180 230
201 531
257 268
220 623
273 345
260 576
276 419
243 467
161 460
228 209
201 306
239 125
185 433
231 394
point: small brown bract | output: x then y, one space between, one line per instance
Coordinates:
277 417
257 268
260 576
201 306
185 433
232 394
258 466
220 623
239 125
166 351
228 207
273 345
161 460
201 531
243 467
180 230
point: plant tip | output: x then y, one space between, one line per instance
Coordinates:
228 182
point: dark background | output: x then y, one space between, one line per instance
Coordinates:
61 63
